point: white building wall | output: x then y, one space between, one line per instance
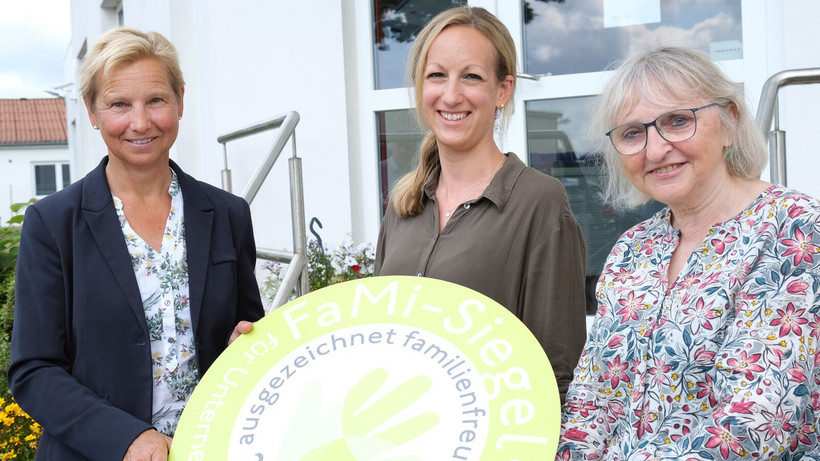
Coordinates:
17 183
799 117
246 61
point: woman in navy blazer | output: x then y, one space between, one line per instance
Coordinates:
85 360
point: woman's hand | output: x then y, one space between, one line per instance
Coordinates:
151 445
243 327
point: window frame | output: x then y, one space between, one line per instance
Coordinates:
60 179
751 70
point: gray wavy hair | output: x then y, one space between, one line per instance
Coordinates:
660 76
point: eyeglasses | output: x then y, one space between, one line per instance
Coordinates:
675 126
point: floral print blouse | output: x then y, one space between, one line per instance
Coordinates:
162 278
721 363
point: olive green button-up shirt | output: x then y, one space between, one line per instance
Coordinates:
517 243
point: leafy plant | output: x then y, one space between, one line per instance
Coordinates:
6 322
19 434
10 238
347 262
9 244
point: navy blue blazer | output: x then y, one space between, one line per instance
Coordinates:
80 353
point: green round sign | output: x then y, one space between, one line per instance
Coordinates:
382 368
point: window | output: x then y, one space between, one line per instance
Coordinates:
49 178
569 44
395 25
399 140
557 144
576 37
115 13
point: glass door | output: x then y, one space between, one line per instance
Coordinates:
566 49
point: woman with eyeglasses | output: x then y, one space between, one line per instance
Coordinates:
704 345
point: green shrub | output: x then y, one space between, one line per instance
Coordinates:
6 321
10 238
9 243
19 434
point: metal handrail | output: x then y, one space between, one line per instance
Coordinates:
296 275
767 113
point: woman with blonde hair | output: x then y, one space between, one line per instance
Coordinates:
132 280
471 214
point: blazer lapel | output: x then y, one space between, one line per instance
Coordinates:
198 215
99 213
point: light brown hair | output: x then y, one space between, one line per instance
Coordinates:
408 192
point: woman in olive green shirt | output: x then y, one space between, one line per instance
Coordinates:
472 215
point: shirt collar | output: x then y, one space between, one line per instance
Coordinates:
174 188
499 189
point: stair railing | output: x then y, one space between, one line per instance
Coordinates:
767 113
296 275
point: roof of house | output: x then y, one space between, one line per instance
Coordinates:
32 121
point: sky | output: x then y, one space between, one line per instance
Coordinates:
34 37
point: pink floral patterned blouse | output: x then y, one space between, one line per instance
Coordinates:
722 363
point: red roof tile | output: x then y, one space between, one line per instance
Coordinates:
32 121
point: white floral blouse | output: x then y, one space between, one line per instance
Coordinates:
722 363
162 278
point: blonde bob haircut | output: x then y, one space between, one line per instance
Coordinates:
124 46
406 197
665 76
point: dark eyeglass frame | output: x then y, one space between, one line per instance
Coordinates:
653 123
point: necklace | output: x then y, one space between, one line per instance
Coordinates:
449 211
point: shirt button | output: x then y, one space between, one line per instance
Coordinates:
466 206
419 274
